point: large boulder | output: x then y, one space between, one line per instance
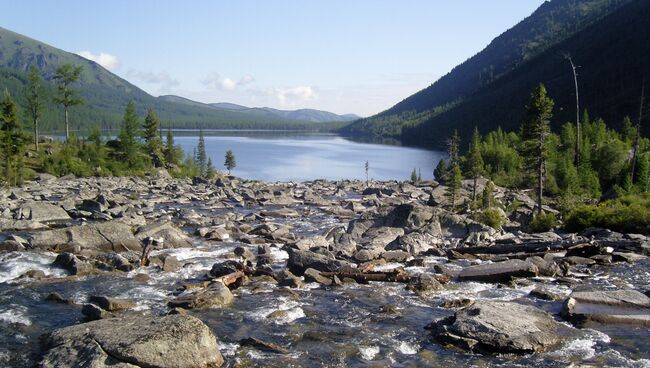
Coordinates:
499 327
41 212
108 236
499 271
216 295
172 236
610 306
300 260
178 341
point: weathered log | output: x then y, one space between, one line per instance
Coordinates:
231 278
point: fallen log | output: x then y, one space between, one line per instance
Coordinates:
231 278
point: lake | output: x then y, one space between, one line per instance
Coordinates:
299 156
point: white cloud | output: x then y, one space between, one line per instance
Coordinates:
163 79
294 95
214 80
108 61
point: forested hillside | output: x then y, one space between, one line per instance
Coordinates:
105 94
606 38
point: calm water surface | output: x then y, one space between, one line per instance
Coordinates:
298 156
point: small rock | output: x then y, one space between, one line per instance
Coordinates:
263 345
111 304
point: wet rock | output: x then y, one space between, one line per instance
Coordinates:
108 236
176 341
57 298
499 327
299 261
286 278
543 293
423 283
263 345
244 253
627 257
225 268
312 275
72 264
585 250
611 306
395 256
34 274
94 312
499 271
173 237
216 295
41 212
457 303
309 243
575 260
546 267
111 304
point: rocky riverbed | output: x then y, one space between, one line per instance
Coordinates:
162 272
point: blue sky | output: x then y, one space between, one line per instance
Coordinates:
345 56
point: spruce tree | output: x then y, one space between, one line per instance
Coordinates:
367 167
12 141
414 176
128 146
34 98
475 160
230 162
534 133
441 171
201 156
65 75
153 143
170 156
453 184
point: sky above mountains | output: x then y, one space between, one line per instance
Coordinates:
360 56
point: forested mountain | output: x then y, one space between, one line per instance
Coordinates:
106 95
608 39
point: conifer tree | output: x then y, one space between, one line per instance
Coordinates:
201 156
475 160
170 156
230 162
34 98
414 176
153 143
453 184
129 146
12 141
367 167
535 131
441 171
65 75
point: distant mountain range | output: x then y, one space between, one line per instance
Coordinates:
106 95
304 115
608 39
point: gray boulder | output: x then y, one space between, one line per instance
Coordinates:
72 264
300 260
499 327
178 341
499 271
173 237
216 295
610 306
107 236
41 212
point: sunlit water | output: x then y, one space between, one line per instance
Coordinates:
298 156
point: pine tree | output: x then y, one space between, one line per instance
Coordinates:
211 171
153 143
34 98
487 197
201 156
441 171
170 156
12 141
453 148
128 146
229 161
414 176
535 132
475 160
65 75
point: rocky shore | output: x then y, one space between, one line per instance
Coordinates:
332 257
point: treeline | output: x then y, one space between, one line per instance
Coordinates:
139 147
591 170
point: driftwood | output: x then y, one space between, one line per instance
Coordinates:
231 278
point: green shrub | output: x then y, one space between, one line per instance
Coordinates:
630 213
491 217
542 223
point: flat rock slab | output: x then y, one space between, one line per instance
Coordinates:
614 306
499 271
106 236
42 212
498 327
178 341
